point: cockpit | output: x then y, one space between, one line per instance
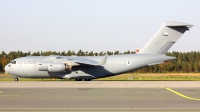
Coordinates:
9 66
13 62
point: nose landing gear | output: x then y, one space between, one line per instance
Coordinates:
16 79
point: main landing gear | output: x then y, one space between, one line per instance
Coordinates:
78 79
82 79
87 79
16 79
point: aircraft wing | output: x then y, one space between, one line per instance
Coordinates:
87 61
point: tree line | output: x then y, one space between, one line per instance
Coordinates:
186 61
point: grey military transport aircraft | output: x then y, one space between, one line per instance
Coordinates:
92 67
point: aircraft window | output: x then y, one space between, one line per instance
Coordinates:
13 62
128 63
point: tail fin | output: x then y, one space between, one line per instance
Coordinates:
165 37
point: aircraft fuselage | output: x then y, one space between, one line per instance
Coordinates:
115 64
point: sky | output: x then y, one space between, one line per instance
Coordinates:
93 25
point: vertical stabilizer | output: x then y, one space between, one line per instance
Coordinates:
165 37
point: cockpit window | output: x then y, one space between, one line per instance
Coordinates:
13 62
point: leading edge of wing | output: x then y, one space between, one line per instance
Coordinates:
91 62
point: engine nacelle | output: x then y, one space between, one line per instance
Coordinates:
56 67
53 67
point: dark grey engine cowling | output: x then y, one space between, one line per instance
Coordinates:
52 66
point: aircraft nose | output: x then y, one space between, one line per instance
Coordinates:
6 69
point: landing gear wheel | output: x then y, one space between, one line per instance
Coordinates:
87 79
78 79
16 79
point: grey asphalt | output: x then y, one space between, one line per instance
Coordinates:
98 84
153 98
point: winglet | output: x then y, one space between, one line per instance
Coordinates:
104 60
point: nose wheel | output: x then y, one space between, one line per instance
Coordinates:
16 79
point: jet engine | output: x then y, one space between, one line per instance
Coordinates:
56 67
53 66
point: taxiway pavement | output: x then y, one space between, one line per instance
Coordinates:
100 95
98 84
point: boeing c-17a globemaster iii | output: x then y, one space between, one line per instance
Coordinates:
88 68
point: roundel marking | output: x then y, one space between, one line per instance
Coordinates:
128 62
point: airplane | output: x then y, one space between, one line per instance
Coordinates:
92 67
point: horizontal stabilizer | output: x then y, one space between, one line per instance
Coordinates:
178 24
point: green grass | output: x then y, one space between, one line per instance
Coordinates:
155 77
32 79
161 78
8 77
124 77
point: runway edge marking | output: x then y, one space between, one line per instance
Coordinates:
182 95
